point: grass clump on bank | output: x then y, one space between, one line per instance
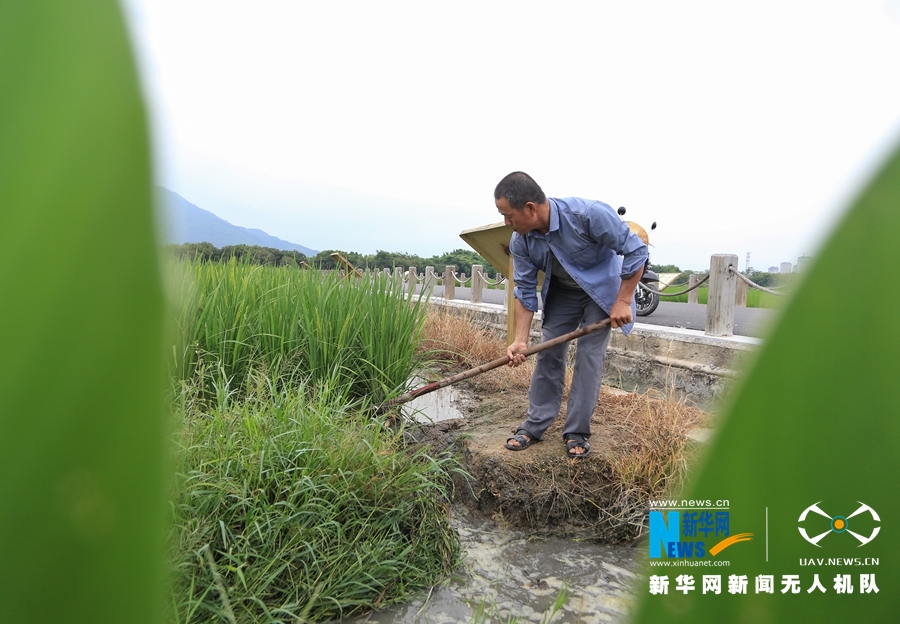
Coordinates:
291 507
289 502
653 450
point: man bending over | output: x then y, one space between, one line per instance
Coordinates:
592 263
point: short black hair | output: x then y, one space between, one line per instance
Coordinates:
518 189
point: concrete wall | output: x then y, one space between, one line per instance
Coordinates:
687 362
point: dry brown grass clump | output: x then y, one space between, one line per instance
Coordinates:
649 435
454 340
651 449
457 343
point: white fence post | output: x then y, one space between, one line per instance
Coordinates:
412 280
449 282
720 301
740 294
477 283
428 286
694 295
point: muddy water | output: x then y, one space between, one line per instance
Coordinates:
442 404
510 574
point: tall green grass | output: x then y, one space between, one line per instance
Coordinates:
361 335
290 506
289 502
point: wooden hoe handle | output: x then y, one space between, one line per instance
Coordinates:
472 372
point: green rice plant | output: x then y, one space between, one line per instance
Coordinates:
759 299
81 368
361 335
702 293
291 506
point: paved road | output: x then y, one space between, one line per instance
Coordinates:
747 321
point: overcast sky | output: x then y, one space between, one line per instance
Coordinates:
738 127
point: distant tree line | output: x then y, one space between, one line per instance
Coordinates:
253 254
462 259
665 268
772 280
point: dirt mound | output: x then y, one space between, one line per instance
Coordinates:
639 450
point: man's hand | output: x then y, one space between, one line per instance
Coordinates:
620 314
521 336
514 351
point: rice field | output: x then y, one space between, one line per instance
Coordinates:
289 502
755 298
361 335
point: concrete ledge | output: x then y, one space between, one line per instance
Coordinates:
686 361
695 366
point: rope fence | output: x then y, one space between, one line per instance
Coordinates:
683 292
495 282
753 284
462 281
727 288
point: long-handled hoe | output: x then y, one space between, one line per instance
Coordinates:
448 381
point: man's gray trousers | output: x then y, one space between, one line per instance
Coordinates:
564 310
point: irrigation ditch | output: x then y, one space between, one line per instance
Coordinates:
510 576
545 535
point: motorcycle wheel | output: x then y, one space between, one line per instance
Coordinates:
645 300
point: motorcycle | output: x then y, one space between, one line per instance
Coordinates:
646 296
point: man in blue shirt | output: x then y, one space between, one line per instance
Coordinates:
592 264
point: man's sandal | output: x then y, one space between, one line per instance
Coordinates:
574 441
524 440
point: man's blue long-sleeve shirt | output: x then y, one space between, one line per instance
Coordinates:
590 241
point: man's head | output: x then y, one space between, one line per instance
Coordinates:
522 203
518 189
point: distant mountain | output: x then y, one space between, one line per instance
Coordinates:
187 223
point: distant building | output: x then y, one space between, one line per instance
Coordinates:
802 261
786 267
773 269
